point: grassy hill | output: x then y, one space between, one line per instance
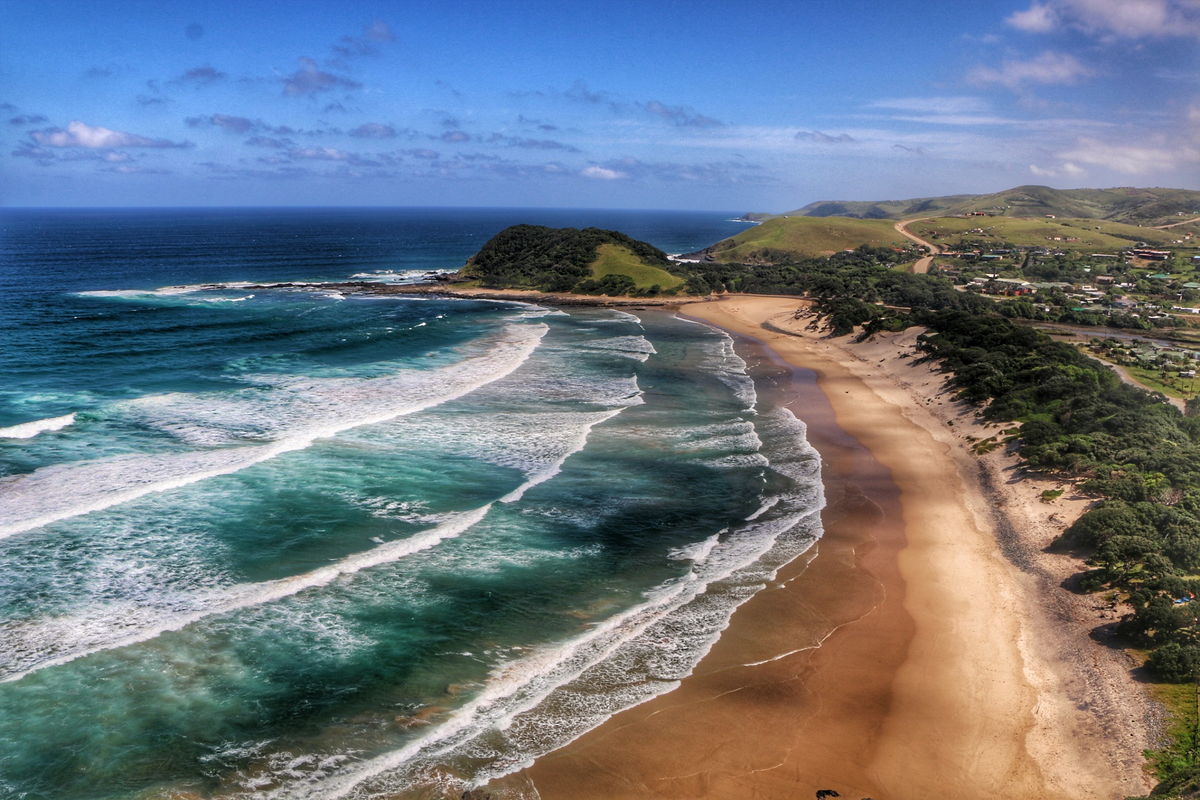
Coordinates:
880 209
809 236
1157 206
1092 235
589 261
613 259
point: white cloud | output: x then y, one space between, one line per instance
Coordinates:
78 134
1140 159
933 105
1048 68
1066 170
1035 19
331 154
603 173
1123 19
125 169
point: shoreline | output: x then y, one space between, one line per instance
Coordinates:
510 295
953 662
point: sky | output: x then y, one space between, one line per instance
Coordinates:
651 104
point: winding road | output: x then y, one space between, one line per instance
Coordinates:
1172 225
923 264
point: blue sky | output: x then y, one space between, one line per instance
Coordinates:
702 105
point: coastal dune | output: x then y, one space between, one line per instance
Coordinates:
906 656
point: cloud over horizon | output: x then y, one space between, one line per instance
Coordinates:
434 107
1122 19
310 80
1049 68
79 134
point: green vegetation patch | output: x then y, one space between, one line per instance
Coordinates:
1155 381
614 259
1176 764
1057 234
807 236
554 259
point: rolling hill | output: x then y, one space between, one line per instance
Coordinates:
1157 206
807 236
1059 233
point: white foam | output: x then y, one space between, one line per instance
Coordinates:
723 361
767 505
320 409
509 702
556 466
27 430
20 661
542 701
728 365
697 552
620 316
638 348
43 643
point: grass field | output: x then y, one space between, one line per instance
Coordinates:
1152 379
1094 235
810 236
1182 703
1135 206
612 259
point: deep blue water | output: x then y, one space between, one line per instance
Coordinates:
295 544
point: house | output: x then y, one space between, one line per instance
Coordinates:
1152 255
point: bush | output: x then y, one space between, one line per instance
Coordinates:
1175 662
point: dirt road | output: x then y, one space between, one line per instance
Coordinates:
1177 224
922 265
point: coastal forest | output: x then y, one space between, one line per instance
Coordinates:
588 261
1072 418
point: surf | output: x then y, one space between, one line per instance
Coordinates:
28 430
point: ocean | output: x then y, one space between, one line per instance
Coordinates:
296 544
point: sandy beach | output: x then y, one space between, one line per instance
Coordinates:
925 648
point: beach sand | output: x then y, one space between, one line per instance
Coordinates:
925 647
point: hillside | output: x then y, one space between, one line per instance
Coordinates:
1134 206
588 261
806 236
1061 234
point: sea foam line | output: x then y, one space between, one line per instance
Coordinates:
95 485
248 595
522 685
513 697
556 466
27 430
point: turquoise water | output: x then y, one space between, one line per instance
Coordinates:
294 544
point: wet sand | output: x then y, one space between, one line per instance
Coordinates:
899 659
